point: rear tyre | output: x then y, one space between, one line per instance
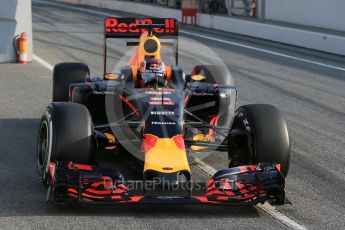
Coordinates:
66 133
65 74
219 75
213 73
259 135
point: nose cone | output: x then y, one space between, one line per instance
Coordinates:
165 155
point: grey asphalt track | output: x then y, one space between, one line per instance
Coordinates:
312 98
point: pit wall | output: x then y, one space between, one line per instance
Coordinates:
15 18
326 14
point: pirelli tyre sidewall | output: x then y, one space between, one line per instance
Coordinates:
67 73
43 149
65 134
267 135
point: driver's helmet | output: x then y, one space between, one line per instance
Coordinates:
151 68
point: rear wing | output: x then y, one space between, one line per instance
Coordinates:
133 28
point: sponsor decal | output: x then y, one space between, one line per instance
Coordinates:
128 26
168 197
152 92
165 113
155 90
202 94
103 92
202 137
111 76
198 77
162 123
160 103
160 99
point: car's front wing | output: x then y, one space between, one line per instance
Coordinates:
244 185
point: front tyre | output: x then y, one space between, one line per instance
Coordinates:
43 150
259 134
66 133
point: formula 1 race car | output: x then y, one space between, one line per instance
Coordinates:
131 136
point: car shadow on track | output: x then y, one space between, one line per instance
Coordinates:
23 195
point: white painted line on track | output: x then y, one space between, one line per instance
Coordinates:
263 50
206 37
76 8
267 208
43 62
